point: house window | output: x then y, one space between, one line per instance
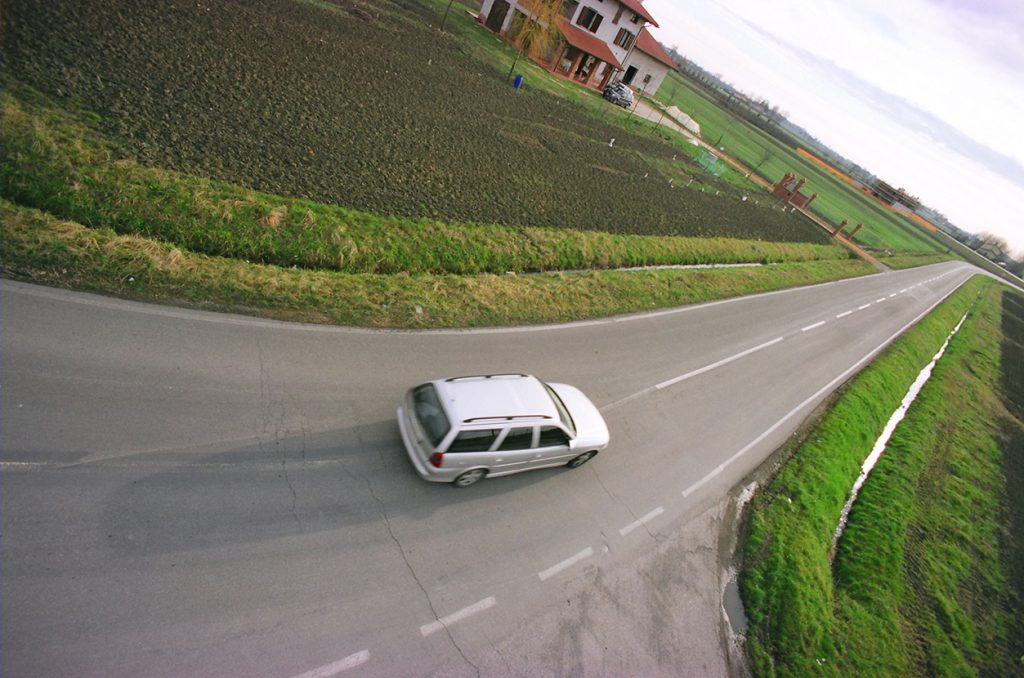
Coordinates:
635 19
624 39
589 19
647 79
569 8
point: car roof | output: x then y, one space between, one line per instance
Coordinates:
496 398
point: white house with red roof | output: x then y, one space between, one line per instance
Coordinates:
647 64
601 41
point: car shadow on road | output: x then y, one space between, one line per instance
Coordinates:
346 479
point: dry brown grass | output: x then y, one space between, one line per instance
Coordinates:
40 248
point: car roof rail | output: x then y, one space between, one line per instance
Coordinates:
513 417
487 376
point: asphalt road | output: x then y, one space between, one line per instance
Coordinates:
190 494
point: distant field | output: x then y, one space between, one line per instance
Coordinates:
883 231
365 105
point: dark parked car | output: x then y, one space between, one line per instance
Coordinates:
619 94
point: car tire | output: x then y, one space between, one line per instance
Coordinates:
582 459
469 477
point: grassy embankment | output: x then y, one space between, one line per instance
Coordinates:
927 577
885 233
162 235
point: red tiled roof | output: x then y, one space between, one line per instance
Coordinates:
648 45
588 42
638 7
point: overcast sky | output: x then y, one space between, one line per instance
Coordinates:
926 94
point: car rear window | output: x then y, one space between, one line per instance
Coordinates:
429 413
474 441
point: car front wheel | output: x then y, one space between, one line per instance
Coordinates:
582 459
470 477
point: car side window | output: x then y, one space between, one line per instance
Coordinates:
518 439
552 435
474 441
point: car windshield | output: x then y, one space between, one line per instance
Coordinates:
429 413
563 412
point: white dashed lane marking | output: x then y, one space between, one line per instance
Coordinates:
815 325
861 308
565 564
844 314
444 622
724 361
333 669
641 521
683 377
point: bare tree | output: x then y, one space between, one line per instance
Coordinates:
446 10
992 246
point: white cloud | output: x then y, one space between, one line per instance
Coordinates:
958 63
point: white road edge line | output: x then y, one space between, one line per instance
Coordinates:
861 308
90 299
823 390
445 622
723 361
641 521
814 326
565 564
333 669
844 314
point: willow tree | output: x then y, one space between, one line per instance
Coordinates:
537 30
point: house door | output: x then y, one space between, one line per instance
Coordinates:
497 16
630 74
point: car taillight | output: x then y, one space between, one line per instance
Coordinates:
436 458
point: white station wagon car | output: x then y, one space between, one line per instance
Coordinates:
466 428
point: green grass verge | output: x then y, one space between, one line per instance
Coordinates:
40 248
883 231
921 581
914 260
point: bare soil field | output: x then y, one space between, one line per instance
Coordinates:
359 104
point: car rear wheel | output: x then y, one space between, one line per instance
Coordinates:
470 477
582 459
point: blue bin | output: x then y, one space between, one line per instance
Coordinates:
519 81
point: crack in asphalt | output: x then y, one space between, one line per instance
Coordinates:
387 523
408 565
624 505
282 445
268 425
501 656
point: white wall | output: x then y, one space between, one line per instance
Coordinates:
606 32
646 65
608 29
